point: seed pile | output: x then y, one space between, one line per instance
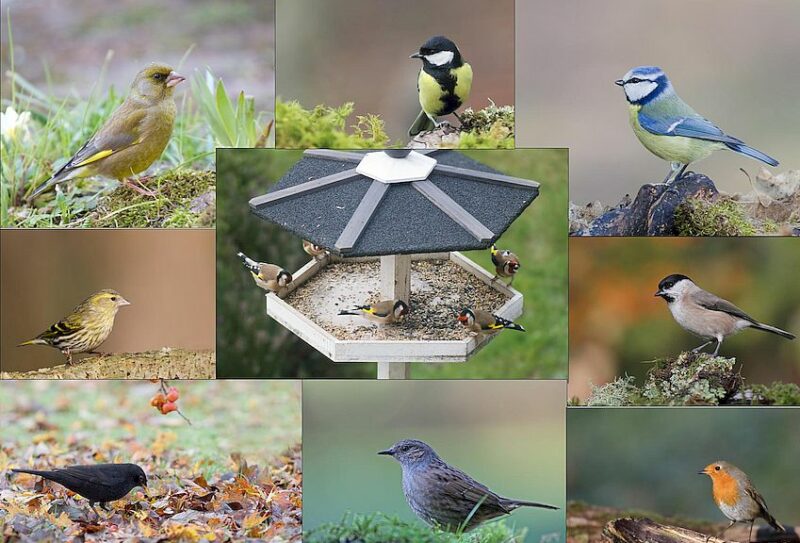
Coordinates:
439 289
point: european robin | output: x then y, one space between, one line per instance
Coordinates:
736 496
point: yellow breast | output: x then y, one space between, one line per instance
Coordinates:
671 148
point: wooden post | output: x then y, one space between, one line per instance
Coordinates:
395 285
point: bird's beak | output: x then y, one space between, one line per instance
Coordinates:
702 472
619 82
659 293
415 55
173 79
123 301
388 452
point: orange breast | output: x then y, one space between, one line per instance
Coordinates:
725 489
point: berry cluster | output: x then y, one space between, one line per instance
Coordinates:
166 402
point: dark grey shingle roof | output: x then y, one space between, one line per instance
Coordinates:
405 221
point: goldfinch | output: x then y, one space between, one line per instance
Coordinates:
273 276
317 251
132 138
506 263
443 83
385 312
83 330
484 323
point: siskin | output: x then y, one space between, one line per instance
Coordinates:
132 138
84 329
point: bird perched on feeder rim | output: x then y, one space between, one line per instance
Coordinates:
86 328
384 312
443 83
98 483
317 251
736 496
707 315
132 138
482 323
669 128
506 263
273 277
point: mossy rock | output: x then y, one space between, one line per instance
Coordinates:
489 128
692 379
184 198
325 127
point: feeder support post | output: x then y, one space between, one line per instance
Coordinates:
395 285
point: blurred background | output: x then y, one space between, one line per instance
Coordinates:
114 421
63 45
659 474
735 64
167 275
250 344
617 325
507 435
357 51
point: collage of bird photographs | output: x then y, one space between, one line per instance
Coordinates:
370 271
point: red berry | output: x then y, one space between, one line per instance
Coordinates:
168 407
157 400
172 394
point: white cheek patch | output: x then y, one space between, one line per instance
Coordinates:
637 91
440 58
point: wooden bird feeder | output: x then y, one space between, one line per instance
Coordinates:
397 210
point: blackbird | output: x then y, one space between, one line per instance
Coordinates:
99 483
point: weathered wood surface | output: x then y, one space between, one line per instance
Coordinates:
164 363
644 530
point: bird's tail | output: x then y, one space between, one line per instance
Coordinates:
773 330
423 123
34 341
355 311
772 522
508 502
509 324
249 263
752 153
30 472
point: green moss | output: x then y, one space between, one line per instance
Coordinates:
777 393
491 127
380 528
326 128
723 217
620 392
184 198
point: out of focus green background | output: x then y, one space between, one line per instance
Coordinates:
616 324
250 344
508 435
61 46
357 51
735 62
659 473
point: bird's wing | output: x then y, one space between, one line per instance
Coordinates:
381 309
715 303
689 126
61 328
89 474
108 140
460 486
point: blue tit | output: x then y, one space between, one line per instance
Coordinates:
669 128
443 83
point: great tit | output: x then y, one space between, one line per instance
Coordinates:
443 83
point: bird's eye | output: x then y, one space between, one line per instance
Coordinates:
717 468
634 80
113 298
158 77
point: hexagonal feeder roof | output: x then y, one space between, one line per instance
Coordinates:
462 205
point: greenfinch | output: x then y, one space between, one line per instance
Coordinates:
133 137
83 330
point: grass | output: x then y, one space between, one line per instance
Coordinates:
41 131
379 528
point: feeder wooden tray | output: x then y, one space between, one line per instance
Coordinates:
441 285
